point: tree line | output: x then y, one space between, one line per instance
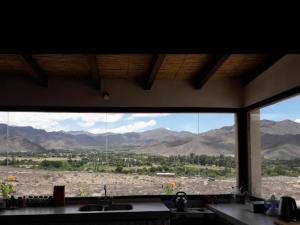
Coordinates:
128 163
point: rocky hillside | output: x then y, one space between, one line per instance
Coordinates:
279 140
77 140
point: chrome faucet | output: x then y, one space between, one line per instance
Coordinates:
105 189
107 200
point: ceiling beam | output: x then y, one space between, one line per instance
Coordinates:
92 62
34 69
258 70
156 65
209 69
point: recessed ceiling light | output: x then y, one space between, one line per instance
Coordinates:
105 96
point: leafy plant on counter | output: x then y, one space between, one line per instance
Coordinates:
168 188
83 194
6 189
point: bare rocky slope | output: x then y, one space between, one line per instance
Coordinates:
279 140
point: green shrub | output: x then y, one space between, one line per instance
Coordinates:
83 193
6 189
119 169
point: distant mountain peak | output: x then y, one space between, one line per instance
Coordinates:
279 139
77 132
158 129
265 122
287 121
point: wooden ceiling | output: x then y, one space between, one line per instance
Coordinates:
198 68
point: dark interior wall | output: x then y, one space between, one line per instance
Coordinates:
284 75
242 125
75 92
218 92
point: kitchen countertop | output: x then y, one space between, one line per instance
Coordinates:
239 214
279 222
141 210
191 213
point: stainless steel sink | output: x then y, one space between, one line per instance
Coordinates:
116 207
91 208
113 207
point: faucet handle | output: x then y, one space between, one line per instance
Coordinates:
105 190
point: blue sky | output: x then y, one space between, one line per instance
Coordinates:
286 109
136 122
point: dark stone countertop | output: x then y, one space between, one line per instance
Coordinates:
141 210
240 214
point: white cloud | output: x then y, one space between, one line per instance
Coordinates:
134 127
150 114
297 120
48 121
89 119
52 121
129 118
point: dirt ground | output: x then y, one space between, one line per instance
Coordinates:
41 182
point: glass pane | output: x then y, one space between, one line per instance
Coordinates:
130 153
280 141
4 142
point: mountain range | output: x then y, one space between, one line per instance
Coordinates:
279 139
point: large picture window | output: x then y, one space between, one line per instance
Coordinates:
131 153
280 148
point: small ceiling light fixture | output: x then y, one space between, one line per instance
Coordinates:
105 96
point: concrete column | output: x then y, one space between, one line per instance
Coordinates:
248 151
236 153
254 153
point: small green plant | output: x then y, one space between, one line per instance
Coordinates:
83 193
6 189
168 188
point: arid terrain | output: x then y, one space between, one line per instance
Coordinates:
279 140
41 182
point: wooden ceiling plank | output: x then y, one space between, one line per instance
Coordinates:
260 68
35 69
209 69
156 65
92 62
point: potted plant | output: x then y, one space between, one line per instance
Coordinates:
6 191
168 188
